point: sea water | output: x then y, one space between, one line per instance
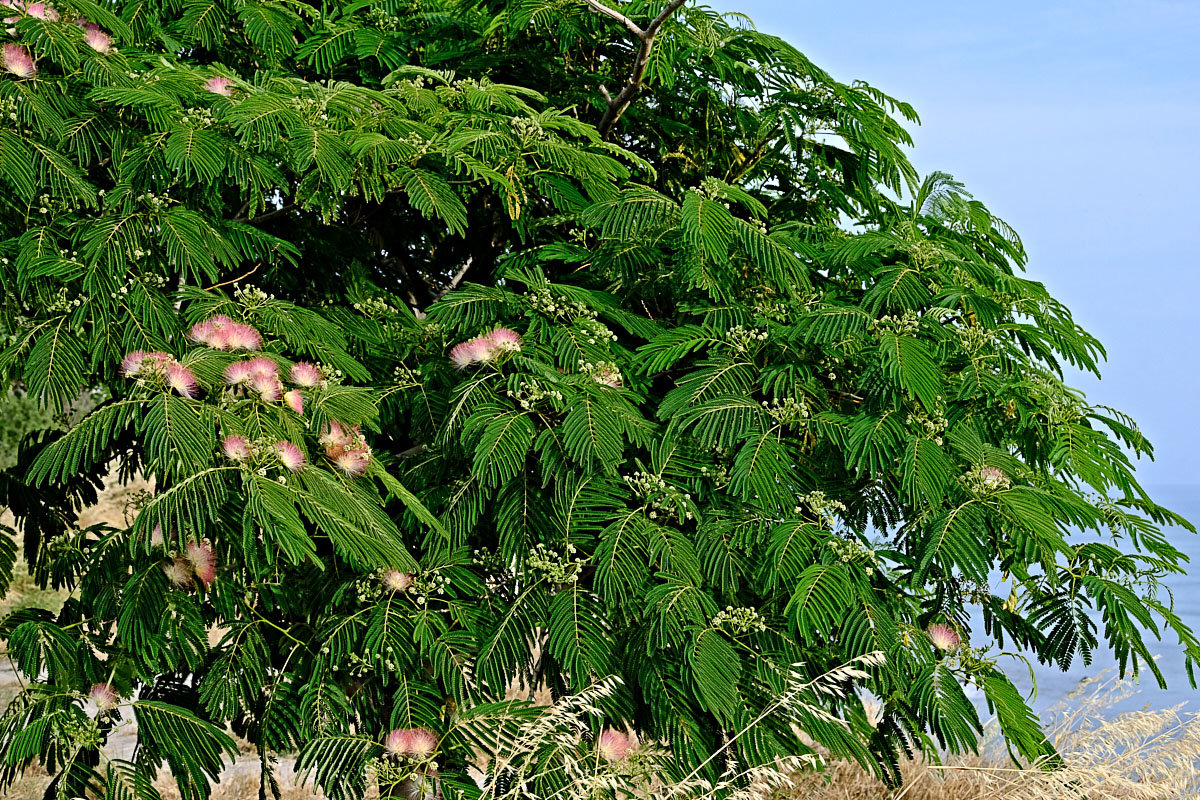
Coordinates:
1053 685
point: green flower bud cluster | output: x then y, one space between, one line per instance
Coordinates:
852 551
789 411
719 475
428 584
77 732
543 301
64 301
251 296
973 338
527 130
744 340
739 621
530 392
930 425
404 378
376 308
556 567
658 494
907 324
826 510
199 117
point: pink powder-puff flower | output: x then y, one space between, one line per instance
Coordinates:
156 363
239 372
336 435
263 367
98 40
179 572
472 351
294 400
242 337
236 448
353 462
203 561
347 448
395 581
131 364
415 743
269 388
205 333
504 340
140 363
214 332
396 742
613 745
994 478
181 379
104 696
42 11
156 537
306 375
289 455
219 85
16 60
944 637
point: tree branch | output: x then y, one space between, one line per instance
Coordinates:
456 280
616 105
629 24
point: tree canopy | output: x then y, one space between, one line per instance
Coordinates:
472 341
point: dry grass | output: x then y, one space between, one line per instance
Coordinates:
1140 755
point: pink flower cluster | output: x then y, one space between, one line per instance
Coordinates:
219 85
613 745
161 366
290 456
22 63
395 581
347 448
16 60
35 10
239 449
417 744
96 38
260 374
483 349
221 333
198 560
994 478
104 696
944 637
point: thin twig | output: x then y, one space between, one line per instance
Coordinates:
267 215
253 270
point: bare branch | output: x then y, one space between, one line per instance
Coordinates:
242 277
457 279
617 105
629 24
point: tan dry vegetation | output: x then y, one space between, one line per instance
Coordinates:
1149 754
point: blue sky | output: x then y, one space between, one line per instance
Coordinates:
1079 123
